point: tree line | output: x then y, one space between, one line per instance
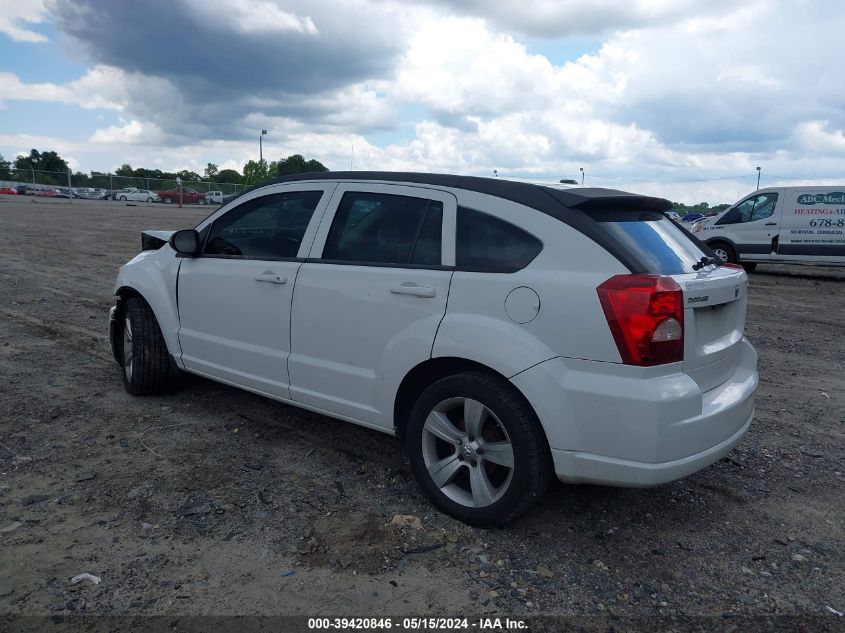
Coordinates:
254 171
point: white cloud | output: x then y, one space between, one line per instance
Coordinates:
15 13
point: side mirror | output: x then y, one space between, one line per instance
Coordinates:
186 242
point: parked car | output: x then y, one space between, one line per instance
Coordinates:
503 331
674 216
189 196
137 195
8 191
692 217
89 193
213 197
47 193
795 225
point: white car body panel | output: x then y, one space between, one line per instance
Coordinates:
381 335
352 340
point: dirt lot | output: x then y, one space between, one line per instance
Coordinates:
211 500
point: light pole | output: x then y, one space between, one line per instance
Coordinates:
758 178
582 175
260 146
495 173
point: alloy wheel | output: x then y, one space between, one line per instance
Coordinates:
127 349
467 452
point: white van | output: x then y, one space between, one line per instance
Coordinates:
801 225
213 197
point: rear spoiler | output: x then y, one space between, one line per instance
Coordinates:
154 240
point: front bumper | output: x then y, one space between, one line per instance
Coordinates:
622 426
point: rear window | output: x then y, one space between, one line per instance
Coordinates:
655 239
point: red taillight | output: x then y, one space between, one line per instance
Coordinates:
730 265
646 317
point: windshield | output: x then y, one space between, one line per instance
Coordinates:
657 241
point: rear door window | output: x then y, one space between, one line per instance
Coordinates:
656 241
379 228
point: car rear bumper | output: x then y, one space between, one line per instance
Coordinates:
623 426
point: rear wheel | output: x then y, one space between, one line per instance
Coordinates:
724 251
147 368
123 198
477 449
168 200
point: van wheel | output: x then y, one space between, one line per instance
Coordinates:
147 368
724 251
750 267
477 450
168 200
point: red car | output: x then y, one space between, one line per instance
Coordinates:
8 191
189 196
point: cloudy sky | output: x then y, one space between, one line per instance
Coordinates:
678 98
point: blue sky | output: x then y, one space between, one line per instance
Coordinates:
678 98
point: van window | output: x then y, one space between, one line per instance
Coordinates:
754 208
486 243
655 239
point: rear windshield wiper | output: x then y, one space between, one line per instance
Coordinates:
704 261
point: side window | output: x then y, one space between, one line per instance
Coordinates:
754 208
487 243
269 227
383 228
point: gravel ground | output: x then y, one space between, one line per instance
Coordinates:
211 500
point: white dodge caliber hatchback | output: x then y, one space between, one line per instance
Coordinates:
502 331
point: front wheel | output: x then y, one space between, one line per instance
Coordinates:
477 450
147 368
123 198
149 199
724 251
168 200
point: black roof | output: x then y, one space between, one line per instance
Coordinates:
578 207
540 197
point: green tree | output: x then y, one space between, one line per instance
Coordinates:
255 172
124 170
187 174
41 161
211 171
5 168
228 176
296 164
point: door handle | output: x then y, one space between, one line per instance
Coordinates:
425 292
771 223
271 278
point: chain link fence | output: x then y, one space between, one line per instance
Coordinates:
97 185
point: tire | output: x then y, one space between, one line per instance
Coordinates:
149 199
123 198
750 267
168 200
147 368
476 489
724 251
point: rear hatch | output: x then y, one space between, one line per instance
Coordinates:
714 297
